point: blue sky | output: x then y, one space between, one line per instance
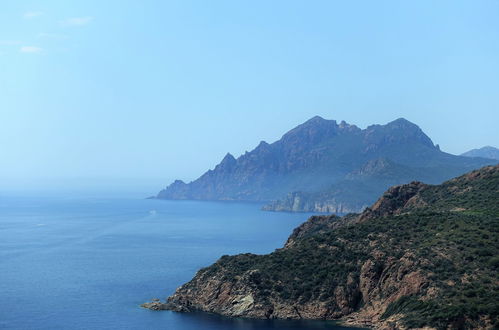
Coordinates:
156 90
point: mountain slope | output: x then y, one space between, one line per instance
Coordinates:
485 152
422 255
347 165
356 191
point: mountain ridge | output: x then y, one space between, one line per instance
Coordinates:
484 152
321 157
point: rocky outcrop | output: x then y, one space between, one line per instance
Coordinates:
395 201
323 166
378 283
409 261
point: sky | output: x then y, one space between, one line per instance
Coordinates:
144 92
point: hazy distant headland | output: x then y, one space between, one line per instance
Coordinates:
325 166
484 152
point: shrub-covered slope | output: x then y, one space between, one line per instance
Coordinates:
422 255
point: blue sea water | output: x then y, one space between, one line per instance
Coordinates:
84 262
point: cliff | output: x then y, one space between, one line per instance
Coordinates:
325 166
421 256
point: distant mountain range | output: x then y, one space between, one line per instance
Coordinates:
485 152
321 165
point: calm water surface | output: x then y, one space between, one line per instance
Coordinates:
88 262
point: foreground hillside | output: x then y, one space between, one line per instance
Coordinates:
422 255
323 166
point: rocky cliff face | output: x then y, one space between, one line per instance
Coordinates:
328 167
421 256
327 202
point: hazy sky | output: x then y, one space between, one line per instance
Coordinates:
157 90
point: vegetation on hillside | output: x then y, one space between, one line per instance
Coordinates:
449 234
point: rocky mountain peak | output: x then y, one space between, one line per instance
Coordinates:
402 122
398 131
403 125
227 163
228 158
316 119
344 124
178 183
311 131
262 146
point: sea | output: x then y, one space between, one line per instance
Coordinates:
86 261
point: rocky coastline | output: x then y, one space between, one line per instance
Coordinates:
393 266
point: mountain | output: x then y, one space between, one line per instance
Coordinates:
421 256
346 165
485 152
356 191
